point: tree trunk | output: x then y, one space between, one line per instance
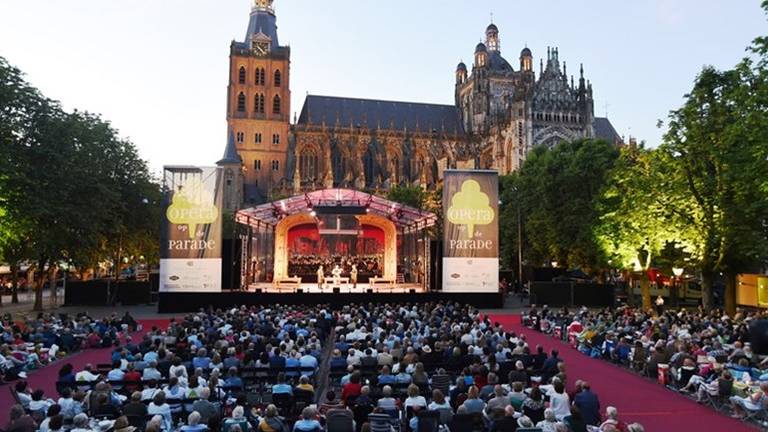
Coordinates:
52 270
706 289
645 289
730 292
629 280
38 306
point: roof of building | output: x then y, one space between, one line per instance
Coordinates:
371 114
481 48
498 63
342 200
605 130
526 52
265 22
230 152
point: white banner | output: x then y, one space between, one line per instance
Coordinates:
468 274
190 275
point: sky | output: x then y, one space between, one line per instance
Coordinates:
157 69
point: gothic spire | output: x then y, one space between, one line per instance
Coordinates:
230 152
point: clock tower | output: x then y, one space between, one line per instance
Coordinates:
258 103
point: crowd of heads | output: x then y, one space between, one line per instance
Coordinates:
312 368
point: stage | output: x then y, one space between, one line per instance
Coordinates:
192 302
361 288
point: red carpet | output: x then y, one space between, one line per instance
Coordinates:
637 399
46 377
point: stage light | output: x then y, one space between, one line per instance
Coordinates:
312 213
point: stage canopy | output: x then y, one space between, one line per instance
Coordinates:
336 201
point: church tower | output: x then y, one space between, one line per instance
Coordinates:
258 103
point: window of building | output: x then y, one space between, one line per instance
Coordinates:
241 75
275 165
257 138
275 139
276 105
241 102
308 164
260 76
258 103
257 165
240 137
278 78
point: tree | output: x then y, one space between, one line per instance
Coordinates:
634 227
557 190
715 156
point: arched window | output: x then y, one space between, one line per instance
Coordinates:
278 78
308 165
241 102
276 105
260 76
258 103
275 165
241 76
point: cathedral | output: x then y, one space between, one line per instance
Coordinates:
500 113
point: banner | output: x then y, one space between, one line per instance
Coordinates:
471 231
190 240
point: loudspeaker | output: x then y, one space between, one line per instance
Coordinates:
369 290
299 290
336 290
258 290
758 336
411 291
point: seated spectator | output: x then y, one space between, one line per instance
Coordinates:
39 404
86 375
533 406
237 420
386 402
519 374
201 360
550 423
517 395
612 420
159 407
149 391
419 375
135 408
308 421
80 423
272 422
282 385
53 411
364 400
337 361
438 402
575 421
24 393
57 424
105 408
754 402
305 385
151 373
352 388
499 401
123 425
386 377
70 407
341 412
116 374
208 410
193 423
473 404
414 399
233 381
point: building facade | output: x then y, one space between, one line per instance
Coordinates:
500 113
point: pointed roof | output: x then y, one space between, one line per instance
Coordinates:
230 152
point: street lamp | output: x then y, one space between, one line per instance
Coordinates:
677 271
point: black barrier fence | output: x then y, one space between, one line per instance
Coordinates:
102 292
572 294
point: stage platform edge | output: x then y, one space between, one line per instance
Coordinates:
192 302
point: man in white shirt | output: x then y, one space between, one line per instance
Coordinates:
86 375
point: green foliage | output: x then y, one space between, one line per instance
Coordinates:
71 188
413 196
557 190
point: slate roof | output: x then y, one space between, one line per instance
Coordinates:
230 152
264 22
371 114
605 130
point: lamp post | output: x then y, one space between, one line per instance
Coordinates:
677 271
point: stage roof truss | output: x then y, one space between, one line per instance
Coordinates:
267 216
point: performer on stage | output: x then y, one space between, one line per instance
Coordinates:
353 276
320 277
336 272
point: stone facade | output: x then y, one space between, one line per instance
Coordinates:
499 114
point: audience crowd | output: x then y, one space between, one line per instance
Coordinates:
708 355
396 367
